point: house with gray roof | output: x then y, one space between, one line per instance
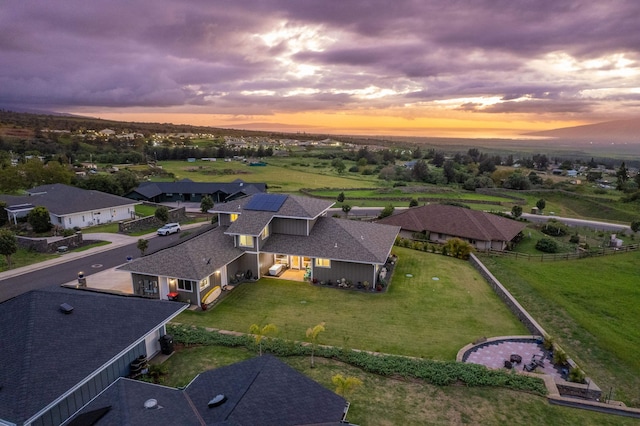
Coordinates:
71 207
261 390
187 190
62 347
265 235
440 222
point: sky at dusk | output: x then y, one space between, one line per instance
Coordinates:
476 68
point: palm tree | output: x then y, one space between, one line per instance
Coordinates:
260 333
345 385
312 335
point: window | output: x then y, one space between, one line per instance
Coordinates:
69 221
204 283
185 285
245 241
323 263
233 217
265 232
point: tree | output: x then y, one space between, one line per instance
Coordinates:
162 214
420 171
39 219
345 385
517 181
341 197
206 204
413 203
338 165
516 211
260 333
346 208
449 171
541 204
4 216
8 245
127 180
387 211
622 175
635 225
312 335
142 245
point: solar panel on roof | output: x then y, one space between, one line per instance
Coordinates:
266 202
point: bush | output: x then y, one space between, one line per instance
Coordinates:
575 239
555 228
68 232
576 375
547 245
162 214
39 219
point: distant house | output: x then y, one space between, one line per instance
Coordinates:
263 235
71 207
440 222
187 190
261 390
62 347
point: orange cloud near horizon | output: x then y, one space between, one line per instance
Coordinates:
350 123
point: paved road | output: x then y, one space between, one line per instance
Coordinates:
592 224
62 270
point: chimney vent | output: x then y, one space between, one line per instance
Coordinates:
66 308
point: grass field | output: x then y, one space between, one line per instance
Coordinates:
418 316
392 401
281 175
24 258
592 308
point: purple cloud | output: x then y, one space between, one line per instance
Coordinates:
270 56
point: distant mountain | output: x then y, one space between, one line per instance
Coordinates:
14 108
609 131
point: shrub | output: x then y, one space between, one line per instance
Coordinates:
39 219
575 239
547 245
555 228
576 375
162 214
68 232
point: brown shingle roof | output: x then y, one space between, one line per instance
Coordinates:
457 221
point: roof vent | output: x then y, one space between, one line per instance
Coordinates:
151 404
218 400
66 308
336 245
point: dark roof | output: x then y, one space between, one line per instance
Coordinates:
457 221
194 259
339 239
293 207
45 352
252 222
62 199
261 390
185 186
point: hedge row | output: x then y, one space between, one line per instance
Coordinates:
439 373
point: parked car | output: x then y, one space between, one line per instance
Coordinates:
169 228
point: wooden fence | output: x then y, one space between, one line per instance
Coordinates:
602 251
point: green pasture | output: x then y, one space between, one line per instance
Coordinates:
591 307
394 401
281 175
418 316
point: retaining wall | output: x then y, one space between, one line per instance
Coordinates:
41 245
175 215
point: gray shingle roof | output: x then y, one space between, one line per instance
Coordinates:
46 352
194 259
293 207
458 221
261 390
339 239
153 189
62 199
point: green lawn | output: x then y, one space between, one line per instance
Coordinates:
591 306
24 258
144 210
111 228
392 401
418 316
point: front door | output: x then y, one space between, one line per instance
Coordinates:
295 262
